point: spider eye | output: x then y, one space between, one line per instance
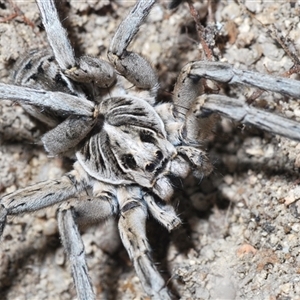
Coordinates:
150 167
129 161
147 137
159 155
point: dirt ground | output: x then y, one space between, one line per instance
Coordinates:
240 232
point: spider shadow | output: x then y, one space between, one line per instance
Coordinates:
182 237
235 146
210 196
22 257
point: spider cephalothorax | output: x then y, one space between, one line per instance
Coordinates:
127 148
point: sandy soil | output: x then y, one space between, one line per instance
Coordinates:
240 233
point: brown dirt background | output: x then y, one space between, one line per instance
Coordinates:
240 233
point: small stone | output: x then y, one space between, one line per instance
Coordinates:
50 227
60 257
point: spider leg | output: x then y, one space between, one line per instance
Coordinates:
164 214
62 103
135 68
197 160
99 207
240 111
3 216
132 227
195 112
225 73
74 247
186 90
43 194
102 205
164 186
188 159
57 35
85 69
67 134
92 70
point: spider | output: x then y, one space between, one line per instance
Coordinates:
128 148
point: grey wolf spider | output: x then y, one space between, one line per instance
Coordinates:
128 148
